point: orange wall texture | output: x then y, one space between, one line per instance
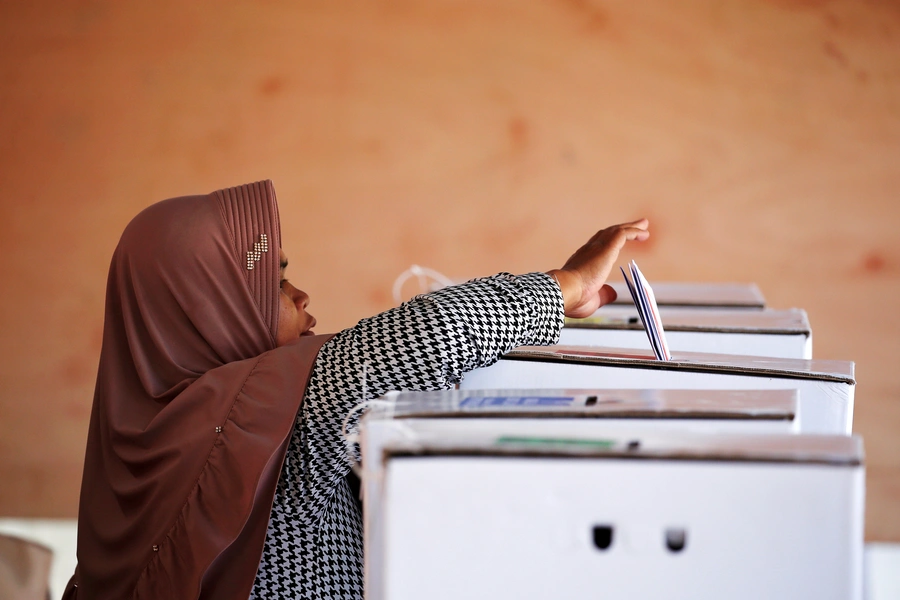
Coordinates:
762 139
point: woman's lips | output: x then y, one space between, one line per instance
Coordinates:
309 331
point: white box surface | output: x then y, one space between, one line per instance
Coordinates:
775 517
427 417
743 296
825 387
774 333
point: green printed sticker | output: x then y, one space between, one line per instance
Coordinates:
572 442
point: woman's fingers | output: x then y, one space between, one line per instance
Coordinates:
637 233
639 225
583 277
607 294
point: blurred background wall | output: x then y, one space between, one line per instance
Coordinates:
761 138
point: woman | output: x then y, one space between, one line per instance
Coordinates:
215 466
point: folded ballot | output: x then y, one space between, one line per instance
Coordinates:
645 303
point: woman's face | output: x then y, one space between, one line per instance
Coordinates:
293 320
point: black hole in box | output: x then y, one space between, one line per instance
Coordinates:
632 320
676 539
603 536
591 400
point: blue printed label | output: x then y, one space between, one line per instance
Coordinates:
515 401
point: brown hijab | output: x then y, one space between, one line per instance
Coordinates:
193 406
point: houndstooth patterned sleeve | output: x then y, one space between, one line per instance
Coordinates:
314 540
428 343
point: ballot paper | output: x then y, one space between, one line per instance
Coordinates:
645 303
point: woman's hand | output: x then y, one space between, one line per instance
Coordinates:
583 278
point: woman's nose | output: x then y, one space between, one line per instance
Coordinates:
301 299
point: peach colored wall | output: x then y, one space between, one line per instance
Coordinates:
761 138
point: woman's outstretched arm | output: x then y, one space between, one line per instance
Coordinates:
430 342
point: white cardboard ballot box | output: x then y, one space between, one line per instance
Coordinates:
430 416
741 296
774 333
693 517
825 387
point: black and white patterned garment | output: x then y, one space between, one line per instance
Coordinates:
314 541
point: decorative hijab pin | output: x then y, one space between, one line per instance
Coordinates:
259 247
